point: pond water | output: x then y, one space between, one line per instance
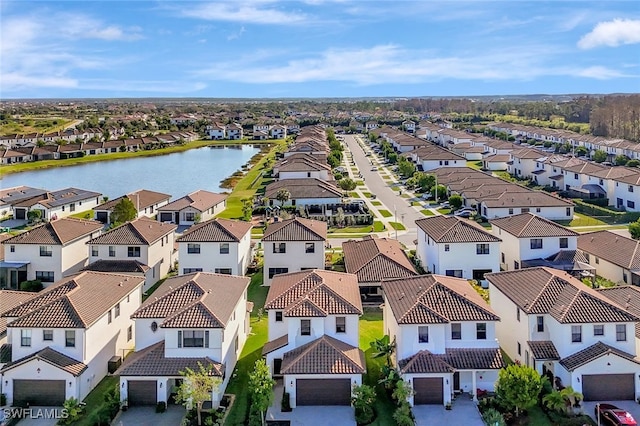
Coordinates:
177 174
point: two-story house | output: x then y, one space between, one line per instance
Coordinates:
313 336
47 252
527 237
220 245
9 299
192 319
198 206
293 245
144 240
444 240
554 323
63 338
614 257
627 296
146 202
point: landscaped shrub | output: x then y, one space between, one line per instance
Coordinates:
161 407
493 417
286 402
32 285
403 416
363 399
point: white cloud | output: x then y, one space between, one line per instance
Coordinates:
237 34
245 12
612 33
600 73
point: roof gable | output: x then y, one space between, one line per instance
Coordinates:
296 229
141 231
446 229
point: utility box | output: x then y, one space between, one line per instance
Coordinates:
114 363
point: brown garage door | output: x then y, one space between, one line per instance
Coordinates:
428 390
142 392
608 387
323 391
38 392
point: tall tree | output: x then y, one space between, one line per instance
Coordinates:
124 211
261 388
518 387
283 195
197 387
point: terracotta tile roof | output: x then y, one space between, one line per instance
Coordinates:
543 350
435 299
9 299
199 300
315 293
141 231
448 229
543 290
117 266
613 248
200 200
474 358
424 362
530 225
216 230
592 353
76 301
57 232
52 357
325 355
273 345
375 259
296 229
141 198
304 188
151 361
627 296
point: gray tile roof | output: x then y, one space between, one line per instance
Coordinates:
448 229
325 355
613 248
151 361
375 259
592 353
216 230
58 198
543 350
52 357
57 232
296 229
141 231
530 225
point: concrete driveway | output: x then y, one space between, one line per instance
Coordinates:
631 406
316 416
464 412
147 416
40 416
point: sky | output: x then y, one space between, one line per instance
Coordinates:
317 48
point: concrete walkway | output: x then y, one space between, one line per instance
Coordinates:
147 416
464 412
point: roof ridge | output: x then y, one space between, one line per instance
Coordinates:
311 345
465 298
544 287
169 293
635 251
328 288
305 299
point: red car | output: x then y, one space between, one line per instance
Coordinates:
610 415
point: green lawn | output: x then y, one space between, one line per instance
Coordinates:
257 232
95 399
87 214
385 213
354 194
376 203
444 211
360 182
415 203
377 227
582 220
426 212
475 165
405 195
397 226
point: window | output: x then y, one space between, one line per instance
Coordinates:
597 260
341 325
109 317
535 243
47 335
129 333
94 251
518 313
630 188
45 251
225 271
154 327
45 276
190 216
70 338
191 270
456 331
481 331
423 334
502 259
279 247
25 337
564 243
278 316
453 273
621 332
568 211
193 248
133 251
540 324
193 339
447 247
235 344
524 210
510 211
72 207
538 208
631 204
519 349
274 271
576 333
482 248
309 247
305 327
12 249
598 329
112 251
575 176
117 310
224 248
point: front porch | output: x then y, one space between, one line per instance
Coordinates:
12 274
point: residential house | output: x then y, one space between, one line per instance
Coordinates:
10 196
293 245
64 337
409 126
542 203
216 131
234 131
314 336
627 296
146 202
9 299
301 168
57 204
614 257
219 245
310 192
278 131
445 336
193 319
198 206
145 240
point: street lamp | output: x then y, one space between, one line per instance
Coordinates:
395 219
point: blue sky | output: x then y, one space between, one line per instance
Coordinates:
317 48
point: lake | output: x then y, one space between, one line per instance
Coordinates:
177 174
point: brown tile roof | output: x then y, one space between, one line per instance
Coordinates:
296 229
315 293
530 225
117 266
435 299
199 300
526 199
141 231
627 296
543 350
9 299
52 357
200 200
76 301
613 248
448 229
325 355
218 230
543 290
141 198
57 232
474 358
375 259
592 353
424 362
304 188
278 343
151 361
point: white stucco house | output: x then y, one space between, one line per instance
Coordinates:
313 336
305 192
198 206
144 240
293 245
556 324
541 203
614 257
195 318
9 299
445 336
627 296
57 204
146 202
219 245
63 338
10 196
47 252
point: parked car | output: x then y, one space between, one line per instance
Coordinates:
374 169
426 196
610 415
445 205
464 213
